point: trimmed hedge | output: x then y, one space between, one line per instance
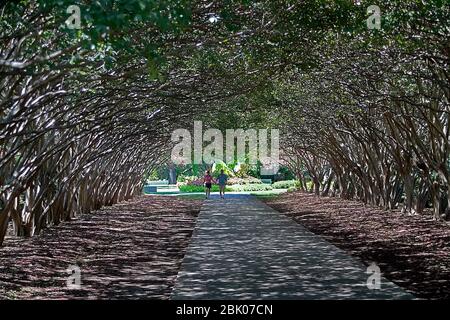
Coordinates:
251 187
236 187
286 184
193 188
242 181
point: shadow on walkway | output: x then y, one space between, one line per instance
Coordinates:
242 249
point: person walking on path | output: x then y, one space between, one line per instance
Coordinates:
222 179
208 179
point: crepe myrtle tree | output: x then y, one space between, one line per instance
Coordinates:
376 109
86 112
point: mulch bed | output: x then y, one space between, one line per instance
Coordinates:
132 250
412 251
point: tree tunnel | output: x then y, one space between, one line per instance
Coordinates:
88 108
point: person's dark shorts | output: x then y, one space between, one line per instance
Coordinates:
208 185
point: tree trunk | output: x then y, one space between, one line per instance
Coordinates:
4 219
172 174
409 190
435 192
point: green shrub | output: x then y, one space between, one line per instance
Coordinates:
236 188
183 178
221 166
242 181
286 173
243 171
251 187
194 188
286 184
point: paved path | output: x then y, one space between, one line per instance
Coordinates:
242 249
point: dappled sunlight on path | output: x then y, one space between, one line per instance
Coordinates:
242 249
412 251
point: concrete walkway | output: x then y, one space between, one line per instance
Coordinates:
242 249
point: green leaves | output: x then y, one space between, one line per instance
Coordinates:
155 62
